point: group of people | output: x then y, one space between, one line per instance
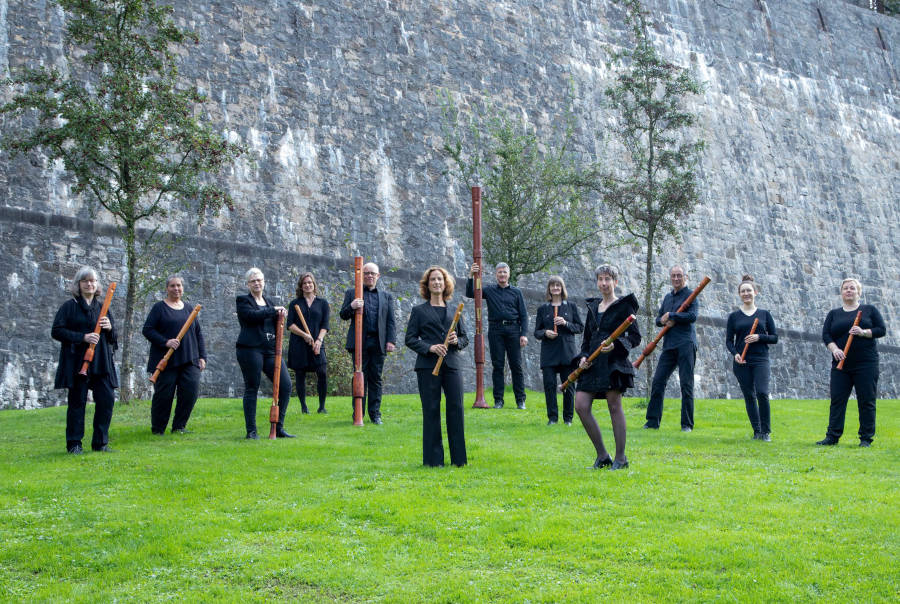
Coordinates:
749 333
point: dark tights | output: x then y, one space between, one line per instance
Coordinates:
583 403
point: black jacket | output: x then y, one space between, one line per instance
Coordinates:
163 324
386 327
596 378
252 318
74 319
561 349
424 329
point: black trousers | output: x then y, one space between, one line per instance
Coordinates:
503 341
684 358
321 384
430 387
372 367
550 391
183 381
254 362
104 398
865 380
753 378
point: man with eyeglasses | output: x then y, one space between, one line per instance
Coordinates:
379 335
679 350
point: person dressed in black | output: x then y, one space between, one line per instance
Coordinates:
860 370
558 347
379 336
182 373
306 351
426 330
507 329
753 372
255 350
679 350
73 327
611 374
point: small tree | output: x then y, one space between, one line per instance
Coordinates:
125 128
657 185
535 210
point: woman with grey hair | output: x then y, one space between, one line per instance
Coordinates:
182 373
73 327
611 374
860 364
255 350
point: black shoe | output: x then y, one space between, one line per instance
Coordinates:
321 410
498 405
602 463
865 443
158 433
104 449
618 465
75 450
181 431
765 437
252 435
568 422
647 426
520 405
305 410
282 434
757 436
552 422
827 442
377 421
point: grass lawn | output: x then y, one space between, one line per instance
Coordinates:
348 514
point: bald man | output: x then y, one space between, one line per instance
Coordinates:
379 335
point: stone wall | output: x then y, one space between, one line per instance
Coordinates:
337 102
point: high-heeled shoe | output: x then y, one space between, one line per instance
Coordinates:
602 463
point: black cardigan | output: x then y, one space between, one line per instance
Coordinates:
163 324
561 349
596 378
424 330
74 319
252 318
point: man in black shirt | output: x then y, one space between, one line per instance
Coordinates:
378 335
679 350
507 326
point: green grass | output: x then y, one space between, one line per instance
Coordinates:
348 514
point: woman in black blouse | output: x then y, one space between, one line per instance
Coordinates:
256 351
306 351
425 332
611 374
753 372
860 369
558 347
182 373
73 327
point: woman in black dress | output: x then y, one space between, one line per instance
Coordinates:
753 372
307 351
256 351
73 327
860 369
182 373
428 326
611 374
558 347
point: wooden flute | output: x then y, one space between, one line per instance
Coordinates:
747 344
840 364
276 378
89 353
612 338
437 367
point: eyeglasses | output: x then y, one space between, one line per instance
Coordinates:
369 273
256 281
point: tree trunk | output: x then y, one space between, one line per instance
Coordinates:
126 391
649 314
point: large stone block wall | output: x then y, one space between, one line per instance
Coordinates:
338 104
